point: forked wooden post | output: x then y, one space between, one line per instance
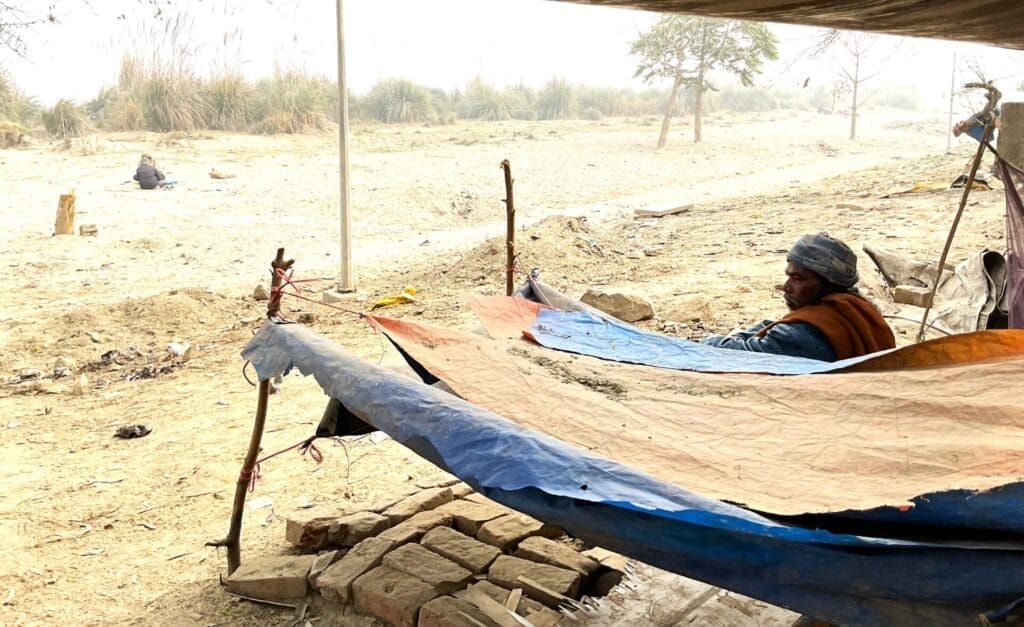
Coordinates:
232 541
510 230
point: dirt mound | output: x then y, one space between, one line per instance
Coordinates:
559 246
189 314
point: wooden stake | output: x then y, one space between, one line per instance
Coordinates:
510 230
65 224
982 143
232 541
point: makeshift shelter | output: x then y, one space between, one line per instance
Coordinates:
885 490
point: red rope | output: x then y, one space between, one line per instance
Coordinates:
252 474
286 278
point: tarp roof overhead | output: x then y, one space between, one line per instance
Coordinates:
996 22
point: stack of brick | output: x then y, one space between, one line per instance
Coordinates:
442 557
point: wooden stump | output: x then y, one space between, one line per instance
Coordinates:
65 215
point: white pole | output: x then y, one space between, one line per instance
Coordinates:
345 277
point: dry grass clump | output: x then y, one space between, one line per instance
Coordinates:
66 120
290 102
232 102
399 100
12 134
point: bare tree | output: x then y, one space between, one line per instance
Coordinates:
859 57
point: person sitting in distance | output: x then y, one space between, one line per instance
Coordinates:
828 319
147 175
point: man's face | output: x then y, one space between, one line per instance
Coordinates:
801 287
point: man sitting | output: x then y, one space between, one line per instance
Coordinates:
828 319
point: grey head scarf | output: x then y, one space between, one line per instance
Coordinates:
827 257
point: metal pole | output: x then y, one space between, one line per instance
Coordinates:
345 282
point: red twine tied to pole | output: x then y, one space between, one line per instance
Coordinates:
286 279
252 474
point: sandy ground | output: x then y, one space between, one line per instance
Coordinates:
96 530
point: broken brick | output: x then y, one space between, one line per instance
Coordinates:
469 516
506 570
278 577
392 595
418 502
307 528
471 554
507 531
413 529
444 612
547 551
335 583
352 529
419 561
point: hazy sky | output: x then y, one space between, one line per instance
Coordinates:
442 43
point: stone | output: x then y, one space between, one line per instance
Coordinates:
260 293
278 577
625 307
413 529
911 295
352 529
473 555
506 570
445 612
66 363
419 561
320 564
307 528
88 229
468 516
416 503
548 551
330 296
505 532
691 309
81 385
335 583
392 595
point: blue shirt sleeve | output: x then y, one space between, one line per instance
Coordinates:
797 339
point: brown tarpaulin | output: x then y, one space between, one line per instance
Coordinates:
787 445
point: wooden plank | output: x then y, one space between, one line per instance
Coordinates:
491 608
469 619
512 602
661 213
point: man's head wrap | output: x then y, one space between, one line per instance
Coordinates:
828 257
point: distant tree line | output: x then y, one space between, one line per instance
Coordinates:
162 99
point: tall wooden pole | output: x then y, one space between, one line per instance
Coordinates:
233 540
982 143
510 230
345 275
